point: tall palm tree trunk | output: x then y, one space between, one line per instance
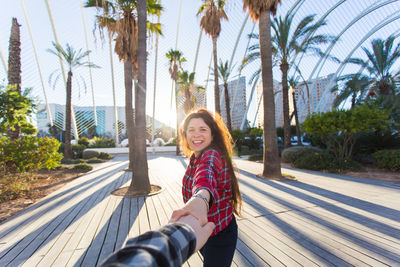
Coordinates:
130 121
177 122
67 147
140 182
228 108
285 102
271 161
14 68
217 104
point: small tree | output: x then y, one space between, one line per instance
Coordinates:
15 109
337 128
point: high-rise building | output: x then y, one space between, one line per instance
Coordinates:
315 96
237 99
319 99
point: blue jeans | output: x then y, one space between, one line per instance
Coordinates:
219 249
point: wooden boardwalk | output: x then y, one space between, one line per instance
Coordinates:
317 220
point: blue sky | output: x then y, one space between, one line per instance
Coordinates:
69 25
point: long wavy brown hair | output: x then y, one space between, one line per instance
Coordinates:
221 140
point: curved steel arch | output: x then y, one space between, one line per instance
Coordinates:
3 60
383 23
323 17
365 12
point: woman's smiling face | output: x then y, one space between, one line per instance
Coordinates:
198 135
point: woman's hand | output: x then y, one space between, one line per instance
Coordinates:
195 207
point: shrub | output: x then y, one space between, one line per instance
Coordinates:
72 161
322 160
289 155
255 157
104 155
77 150
94 160
388 159
102 142
29 153
337 129
88 154
315 161
84 167
83 141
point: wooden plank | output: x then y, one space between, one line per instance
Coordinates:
47 254
249 254
282 251
354 250
84 223
41 237
144 224
124 225
297 244
94 239
112 231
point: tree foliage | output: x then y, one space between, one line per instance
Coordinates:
16 109
337 129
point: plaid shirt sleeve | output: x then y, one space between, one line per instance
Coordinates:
171 246
212 173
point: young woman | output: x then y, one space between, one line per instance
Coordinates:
210 188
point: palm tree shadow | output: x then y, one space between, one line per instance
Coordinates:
56 200
299 237
24 248
114 233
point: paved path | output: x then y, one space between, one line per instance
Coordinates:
318 220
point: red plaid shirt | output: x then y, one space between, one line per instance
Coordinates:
210 171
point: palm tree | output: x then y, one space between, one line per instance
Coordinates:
14 68
379 65
260 10
175 66
74 59
213 13
188 88
287 45
140 183
120 18
224 73
355 87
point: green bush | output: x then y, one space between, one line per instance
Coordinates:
94 160
322 160
289 155
255 157
84 167
388 159
104 155
72 161
315 161
29 153
102 142
83 141
77 150
88 154
337 129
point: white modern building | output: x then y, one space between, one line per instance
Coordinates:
85 120
237 99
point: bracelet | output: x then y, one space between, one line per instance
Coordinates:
203 198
